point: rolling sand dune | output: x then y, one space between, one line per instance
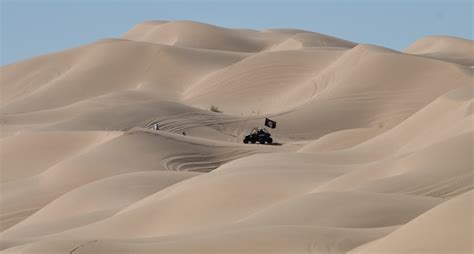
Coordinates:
374 151
190 34
447 48
44 150
115 64
452 220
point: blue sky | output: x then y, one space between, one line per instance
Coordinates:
35 27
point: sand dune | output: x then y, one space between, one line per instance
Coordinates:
155 151
447 48
191 34
447 228
311 40
374 155
263 75
44 149
71 76
94 201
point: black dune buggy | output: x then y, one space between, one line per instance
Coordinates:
261 136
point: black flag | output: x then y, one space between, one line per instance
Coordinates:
270 123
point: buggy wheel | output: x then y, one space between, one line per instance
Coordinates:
253 141
246 141
269 140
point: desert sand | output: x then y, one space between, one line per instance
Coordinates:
376 151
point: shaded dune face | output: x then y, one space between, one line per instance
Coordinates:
375 151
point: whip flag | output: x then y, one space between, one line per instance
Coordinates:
270 123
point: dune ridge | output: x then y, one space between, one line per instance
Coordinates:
374 150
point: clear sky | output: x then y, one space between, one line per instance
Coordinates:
34 27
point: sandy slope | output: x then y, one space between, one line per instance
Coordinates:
95 201
447 48
377 145
72 76
191 34
446 229
44 150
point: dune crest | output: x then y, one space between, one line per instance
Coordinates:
373 147
446 48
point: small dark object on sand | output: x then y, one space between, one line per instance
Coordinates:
261 136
